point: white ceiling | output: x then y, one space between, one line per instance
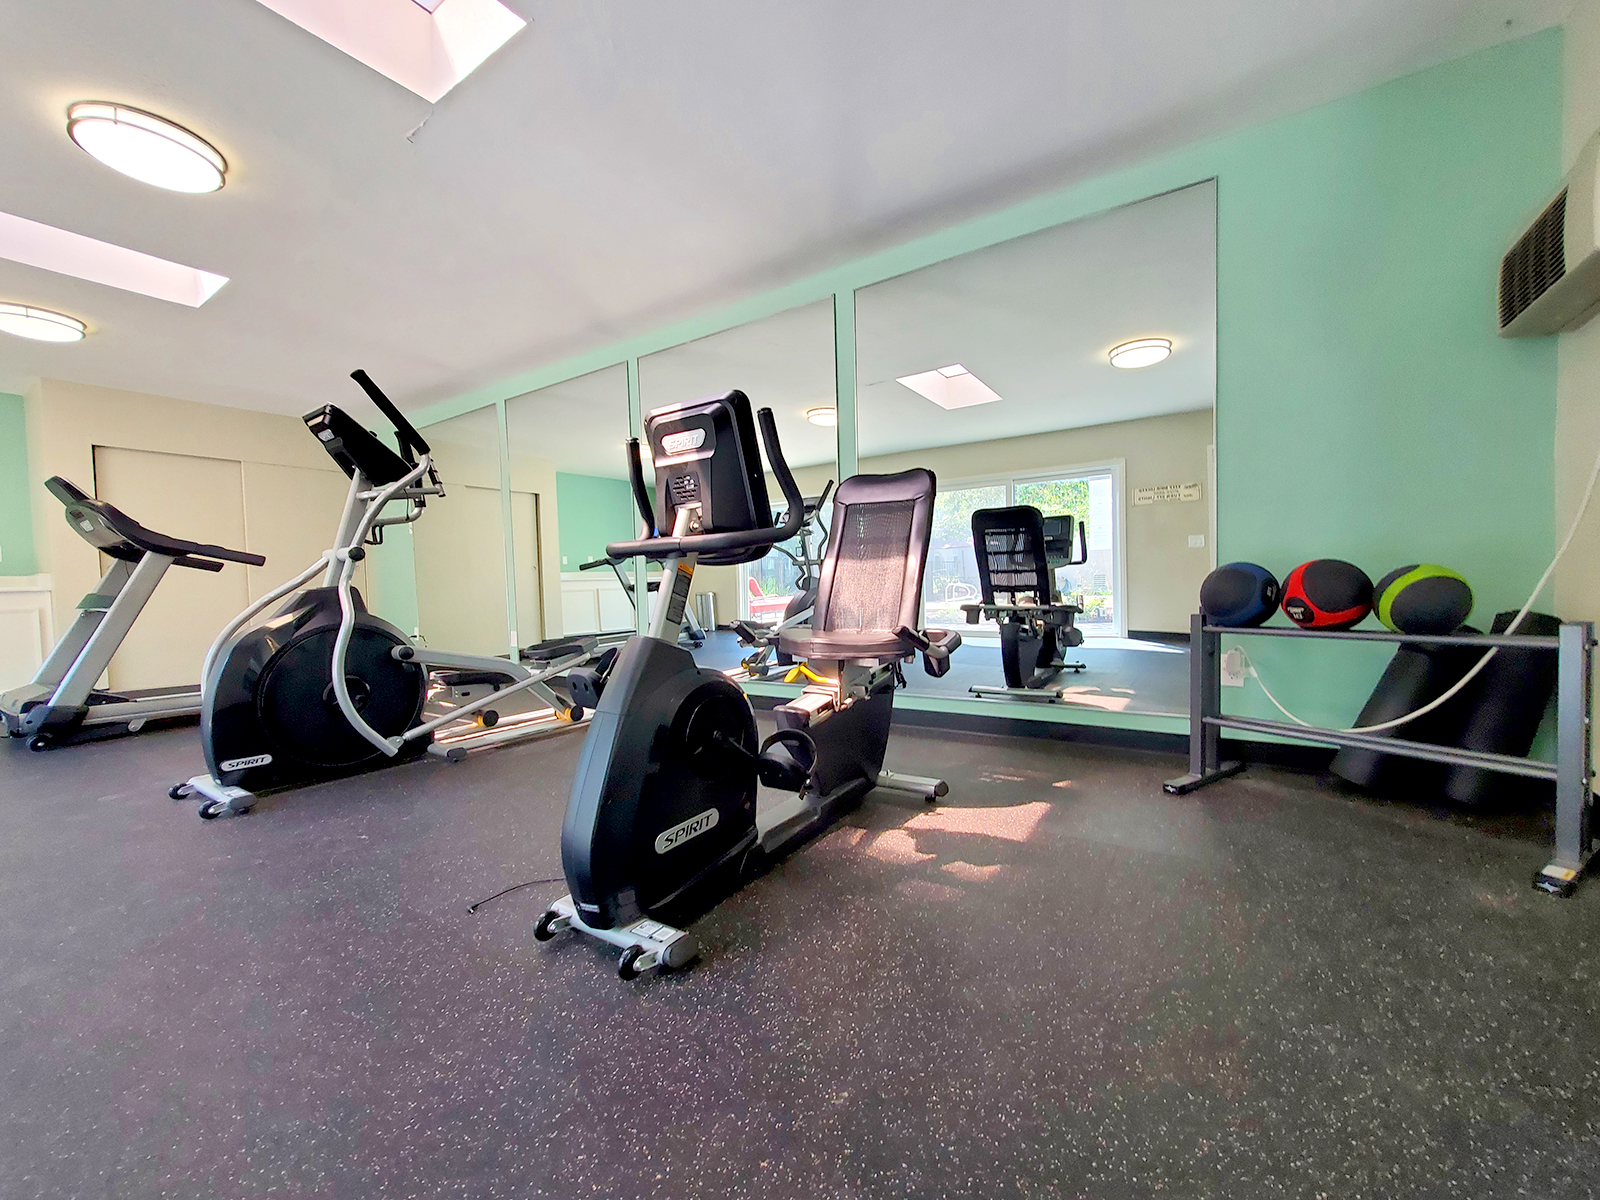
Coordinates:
1034 318
616 166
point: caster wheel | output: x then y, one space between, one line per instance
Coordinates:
626 967
542 931
179 791
39 742
212 809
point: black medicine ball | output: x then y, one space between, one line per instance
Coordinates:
1239 594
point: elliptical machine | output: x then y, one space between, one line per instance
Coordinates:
663 818
323 688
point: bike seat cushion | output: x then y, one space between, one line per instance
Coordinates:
845 643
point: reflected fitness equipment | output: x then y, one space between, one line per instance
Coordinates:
692 635
663 819
62 705
1019 551
322 688
763 639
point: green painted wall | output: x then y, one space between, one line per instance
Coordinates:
1365 407
16 518
590 512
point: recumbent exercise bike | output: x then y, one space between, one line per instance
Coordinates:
663 821
1019 551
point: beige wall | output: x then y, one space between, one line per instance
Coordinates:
538 476
1164 572
1577 580
67 421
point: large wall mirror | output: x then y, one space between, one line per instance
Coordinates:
994 370
570 497
459 541
786 363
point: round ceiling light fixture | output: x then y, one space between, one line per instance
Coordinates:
1144 352
823 414
146 147
40 324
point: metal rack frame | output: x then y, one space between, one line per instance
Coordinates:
1574 647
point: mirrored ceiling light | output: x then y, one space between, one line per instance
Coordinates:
146 147
1143 352
823 414
40 324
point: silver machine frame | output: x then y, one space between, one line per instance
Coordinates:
80 658
363 511
1573 645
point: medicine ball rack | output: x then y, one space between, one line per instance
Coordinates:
1574 647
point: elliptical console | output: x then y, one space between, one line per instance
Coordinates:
663 816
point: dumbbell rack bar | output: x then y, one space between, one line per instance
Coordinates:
1574 647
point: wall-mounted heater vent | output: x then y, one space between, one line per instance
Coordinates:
1550 280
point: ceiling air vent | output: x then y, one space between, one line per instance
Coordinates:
1550 280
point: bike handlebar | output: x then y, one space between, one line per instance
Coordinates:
713 543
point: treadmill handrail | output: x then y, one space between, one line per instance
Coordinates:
142 539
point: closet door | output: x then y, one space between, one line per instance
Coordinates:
461 572
201 500
525 536
292 514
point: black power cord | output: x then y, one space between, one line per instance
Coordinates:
472 908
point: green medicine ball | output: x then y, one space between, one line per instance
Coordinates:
1422 598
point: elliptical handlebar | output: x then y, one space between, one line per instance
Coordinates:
641 494
715 543
411 442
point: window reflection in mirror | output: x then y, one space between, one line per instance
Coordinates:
993 369
786 363
459 541
570 498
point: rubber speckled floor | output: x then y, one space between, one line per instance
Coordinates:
1060 984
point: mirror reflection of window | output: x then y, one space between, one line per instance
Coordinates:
994 370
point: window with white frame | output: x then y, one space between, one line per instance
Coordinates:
1088 493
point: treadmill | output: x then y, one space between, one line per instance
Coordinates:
62 705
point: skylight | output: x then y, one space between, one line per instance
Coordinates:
51 249
950 387
426 46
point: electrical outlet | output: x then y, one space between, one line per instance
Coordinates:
563 560
1197 541
1233 668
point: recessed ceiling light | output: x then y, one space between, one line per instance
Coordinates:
37 245
950 387
1144 352
40 324
146 147
823 414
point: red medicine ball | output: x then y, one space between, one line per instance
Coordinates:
1327 594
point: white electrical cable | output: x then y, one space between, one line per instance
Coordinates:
1572 530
